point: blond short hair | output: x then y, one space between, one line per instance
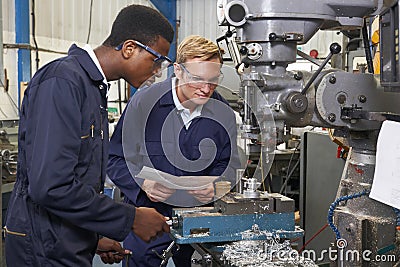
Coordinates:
195 46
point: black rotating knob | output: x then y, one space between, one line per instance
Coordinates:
335 48
243 50
272 36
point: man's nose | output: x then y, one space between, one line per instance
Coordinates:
206 87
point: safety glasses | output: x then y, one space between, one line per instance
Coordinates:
198 81
160 62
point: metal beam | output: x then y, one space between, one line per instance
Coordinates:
22 36
168 9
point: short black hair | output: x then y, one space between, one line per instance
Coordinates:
140 23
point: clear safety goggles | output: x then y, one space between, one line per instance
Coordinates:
198 81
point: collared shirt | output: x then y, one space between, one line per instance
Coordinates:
93 56
187 117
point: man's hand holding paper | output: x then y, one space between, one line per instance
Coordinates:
156 191
203 195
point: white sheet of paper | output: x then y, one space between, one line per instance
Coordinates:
386 184
176 182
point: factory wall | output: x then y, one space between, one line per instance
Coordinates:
198 17
8 100
59 23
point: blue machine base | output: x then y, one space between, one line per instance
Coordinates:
228 228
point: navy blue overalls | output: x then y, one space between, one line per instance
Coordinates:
56 213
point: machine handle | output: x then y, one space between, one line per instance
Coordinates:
334 48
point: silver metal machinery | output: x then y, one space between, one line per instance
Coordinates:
8 167
262 39
8 151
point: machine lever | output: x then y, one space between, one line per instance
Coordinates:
334 48
166 254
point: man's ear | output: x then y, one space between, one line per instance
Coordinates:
178 71
129 48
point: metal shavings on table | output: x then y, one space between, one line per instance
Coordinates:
263 253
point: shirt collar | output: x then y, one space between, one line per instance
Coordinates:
178 104
93 56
